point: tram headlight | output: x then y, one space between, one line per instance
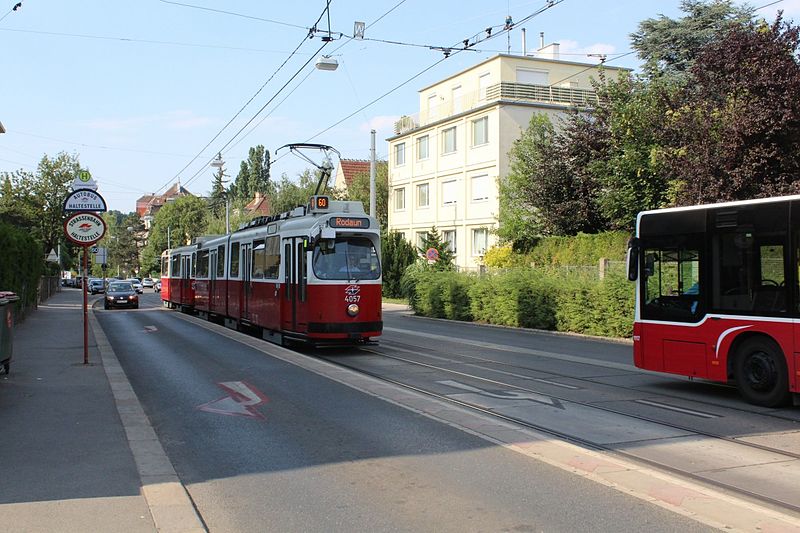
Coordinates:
352 309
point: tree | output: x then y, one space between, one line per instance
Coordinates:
218 198
547 192
624 146
669 47
738 132
288 194
253 176
175 224
433 240
359 190
396 255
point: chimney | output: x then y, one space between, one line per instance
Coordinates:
524 43
541 39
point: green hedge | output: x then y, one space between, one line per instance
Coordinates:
526 297
21 265
581 249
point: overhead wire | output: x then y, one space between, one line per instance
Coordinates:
177 175
454 50
232 13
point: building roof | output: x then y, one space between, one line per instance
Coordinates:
150 203
350 168
259 205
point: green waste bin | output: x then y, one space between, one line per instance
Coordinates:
7 300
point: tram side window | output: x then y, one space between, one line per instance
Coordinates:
164 267
671 284
175 271
233 270
258 259
750 272
272 258
220 262
202 264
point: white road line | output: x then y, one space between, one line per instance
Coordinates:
676 409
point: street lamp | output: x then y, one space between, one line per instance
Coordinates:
218 163
326 63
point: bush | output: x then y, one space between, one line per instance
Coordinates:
21 266
582 249
525 297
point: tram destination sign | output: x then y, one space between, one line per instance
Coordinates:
85 228
349 222
85 200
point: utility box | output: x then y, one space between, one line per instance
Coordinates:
7 301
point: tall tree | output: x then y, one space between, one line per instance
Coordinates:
546 192
669 46
738 134
289 193
446 260
253 176
396 255
218 198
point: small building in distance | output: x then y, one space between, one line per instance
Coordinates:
148 205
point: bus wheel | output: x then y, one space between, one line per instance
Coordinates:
761 374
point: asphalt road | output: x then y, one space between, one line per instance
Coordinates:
311 454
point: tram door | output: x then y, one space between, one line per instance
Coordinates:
186 282
212 277
293 311
246 268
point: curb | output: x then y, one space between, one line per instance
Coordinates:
170 504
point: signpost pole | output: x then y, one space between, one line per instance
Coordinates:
84 283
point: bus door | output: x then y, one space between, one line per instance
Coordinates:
295 281
245 267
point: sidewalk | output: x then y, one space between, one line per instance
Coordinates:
66 461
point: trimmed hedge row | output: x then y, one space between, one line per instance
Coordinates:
21 266
526 297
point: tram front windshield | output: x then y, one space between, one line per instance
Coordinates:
350 258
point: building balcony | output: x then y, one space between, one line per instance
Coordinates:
506 92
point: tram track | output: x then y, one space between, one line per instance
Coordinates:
795 418
737 489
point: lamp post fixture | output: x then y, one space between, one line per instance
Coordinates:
219 163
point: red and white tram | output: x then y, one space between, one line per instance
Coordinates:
177 289
311 275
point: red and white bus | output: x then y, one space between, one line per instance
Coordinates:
717 295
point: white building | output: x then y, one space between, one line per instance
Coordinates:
445 161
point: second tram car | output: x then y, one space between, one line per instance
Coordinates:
177 288
309 275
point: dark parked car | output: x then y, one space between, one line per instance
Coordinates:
96 286
121 294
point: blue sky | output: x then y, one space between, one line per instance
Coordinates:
138 89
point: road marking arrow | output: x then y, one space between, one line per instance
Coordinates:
150 329
505 395
242 400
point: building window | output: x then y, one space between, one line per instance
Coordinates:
483 84
422 236
480 131
423 195
399 154
479 239
400 199
422 147
532 77
449 237
480 188
449 192
456 96
449 140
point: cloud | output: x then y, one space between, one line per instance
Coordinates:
570 50
380 123
175 120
